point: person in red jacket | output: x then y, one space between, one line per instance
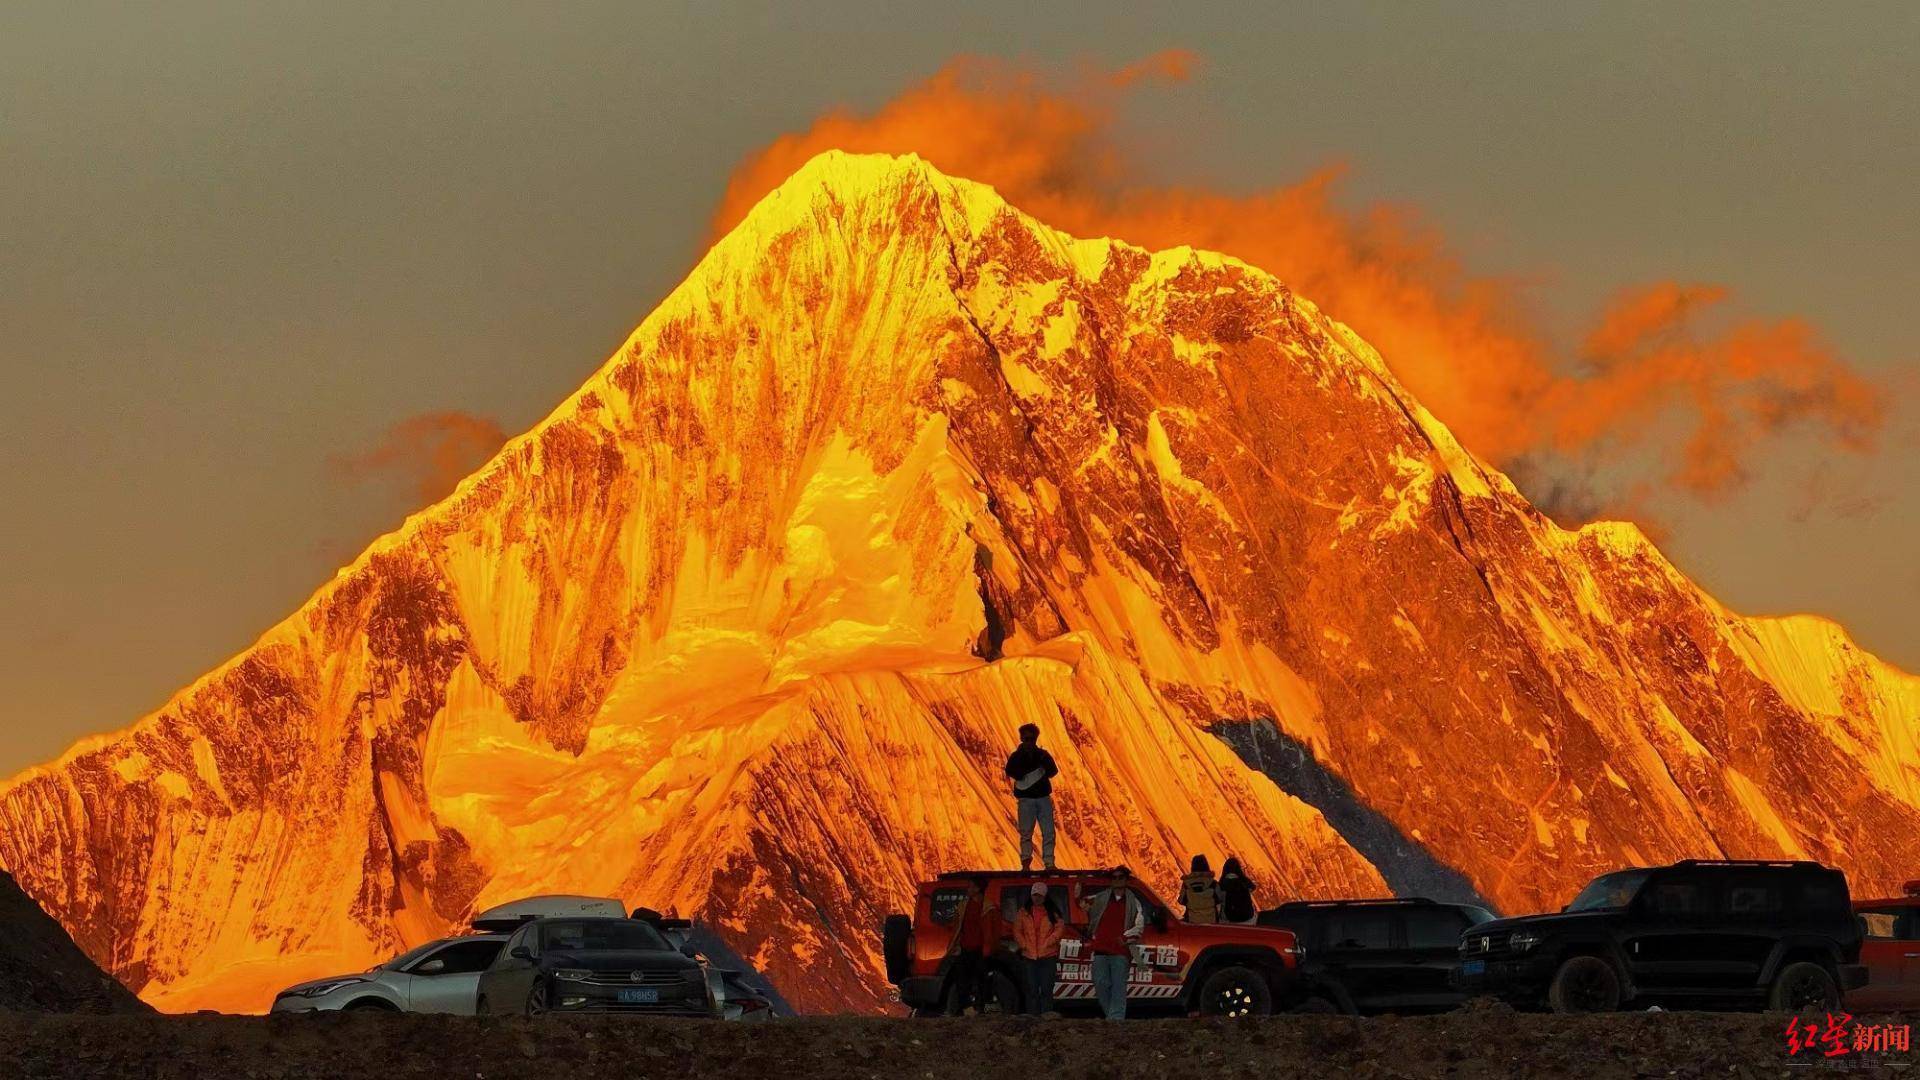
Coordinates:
1036 932
1117 921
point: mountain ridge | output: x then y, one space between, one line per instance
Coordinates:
895 468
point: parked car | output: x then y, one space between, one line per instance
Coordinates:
1891 953
1219 969
438 977
1731 933
1375 956
734 998
599 964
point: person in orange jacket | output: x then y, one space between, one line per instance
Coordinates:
1037 930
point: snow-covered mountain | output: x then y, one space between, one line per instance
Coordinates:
746 626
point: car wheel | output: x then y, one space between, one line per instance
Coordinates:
1804 987
1236 991
1584 984
537 1004
369 1005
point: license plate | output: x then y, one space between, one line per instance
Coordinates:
1474 967
639 997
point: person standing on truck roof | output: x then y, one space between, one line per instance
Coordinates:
1236 893
1037 931
968 978
1117 921
1032 771
1199 893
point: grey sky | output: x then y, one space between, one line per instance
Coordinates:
240 239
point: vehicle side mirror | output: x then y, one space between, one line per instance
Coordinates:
431 967
521 952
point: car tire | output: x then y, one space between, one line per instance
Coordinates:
1803 986
1235 991
369 1005
1584 984
896 938
537 1003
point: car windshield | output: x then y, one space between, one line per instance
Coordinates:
1615 890
620 934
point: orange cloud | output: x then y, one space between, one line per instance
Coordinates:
1461 342
430 452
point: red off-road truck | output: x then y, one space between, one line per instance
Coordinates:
1891 952
1179 968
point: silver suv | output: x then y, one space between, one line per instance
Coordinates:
439 977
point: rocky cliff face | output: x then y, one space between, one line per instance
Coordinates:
746 626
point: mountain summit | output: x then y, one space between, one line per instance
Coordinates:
746 626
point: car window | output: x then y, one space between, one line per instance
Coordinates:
1821 895
1752 896
1615 890
1882 923
520 937
581 935
461 958
1891 923
1433 928
944 906
1679 896
1476 914
1360 930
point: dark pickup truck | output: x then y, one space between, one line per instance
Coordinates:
1779 935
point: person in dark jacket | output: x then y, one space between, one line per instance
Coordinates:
1199 893
1236 893
1032 771
969 980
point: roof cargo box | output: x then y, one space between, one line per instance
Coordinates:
509 915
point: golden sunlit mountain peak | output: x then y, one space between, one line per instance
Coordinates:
746 626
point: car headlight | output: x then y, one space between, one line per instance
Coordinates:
326 988
1523 941
573 974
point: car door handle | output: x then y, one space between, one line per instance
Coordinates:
1911 955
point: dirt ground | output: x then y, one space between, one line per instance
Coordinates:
1486 1042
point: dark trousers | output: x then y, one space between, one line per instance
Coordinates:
1039 988
968 982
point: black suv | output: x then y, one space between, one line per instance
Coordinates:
1374 956
1775 934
